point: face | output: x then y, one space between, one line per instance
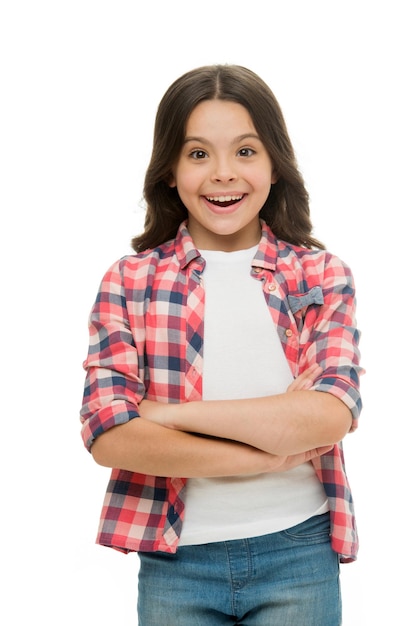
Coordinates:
223 176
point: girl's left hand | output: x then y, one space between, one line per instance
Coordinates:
156 412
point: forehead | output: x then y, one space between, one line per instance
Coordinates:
211 116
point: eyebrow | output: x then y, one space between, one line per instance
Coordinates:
235 140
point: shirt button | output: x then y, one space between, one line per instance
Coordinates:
288 332
272 287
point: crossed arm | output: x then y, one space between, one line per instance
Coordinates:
255 435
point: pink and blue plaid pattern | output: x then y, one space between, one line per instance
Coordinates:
146 338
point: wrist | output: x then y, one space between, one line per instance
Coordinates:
173 416
156 412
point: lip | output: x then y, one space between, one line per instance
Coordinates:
223 210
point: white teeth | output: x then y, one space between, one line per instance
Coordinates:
223 198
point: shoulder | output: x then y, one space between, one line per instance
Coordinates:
310 262
290 258
133 266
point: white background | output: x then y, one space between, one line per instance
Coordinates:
80 82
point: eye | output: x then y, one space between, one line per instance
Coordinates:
246 152
198 154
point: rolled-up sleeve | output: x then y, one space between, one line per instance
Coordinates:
113 388
333 337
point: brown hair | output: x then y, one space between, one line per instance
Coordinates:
286 209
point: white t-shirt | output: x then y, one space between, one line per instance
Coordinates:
243 357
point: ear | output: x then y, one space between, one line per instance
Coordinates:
171 182
274 177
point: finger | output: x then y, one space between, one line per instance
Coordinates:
306 379
319 451
312 370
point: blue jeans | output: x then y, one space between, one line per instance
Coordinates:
288 578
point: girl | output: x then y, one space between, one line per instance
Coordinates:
223 374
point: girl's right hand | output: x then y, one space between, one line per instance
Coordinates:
306 380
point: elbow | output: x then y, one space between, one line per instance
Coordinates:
117 446
100 450
333 419
343 422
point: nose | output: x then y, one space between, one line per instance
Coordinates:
223 171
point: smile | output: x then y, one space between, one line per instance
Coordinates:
224 201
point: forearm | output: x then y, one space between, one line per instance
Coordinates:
148 448
283 424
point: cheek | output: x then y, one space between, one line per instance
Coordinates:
187 181
264 180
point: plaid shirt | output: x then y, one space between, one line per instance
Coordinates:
146 338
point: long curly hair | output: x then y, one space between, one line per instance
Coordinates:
286 209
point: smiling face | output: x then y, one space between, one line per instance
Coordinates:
223 176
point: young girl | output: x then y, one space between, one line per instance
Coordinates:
223 374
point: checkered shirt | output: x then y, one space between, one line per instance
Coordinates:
146 338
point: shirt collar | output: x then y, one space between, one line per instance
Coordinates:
267 253
265 257
184 246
